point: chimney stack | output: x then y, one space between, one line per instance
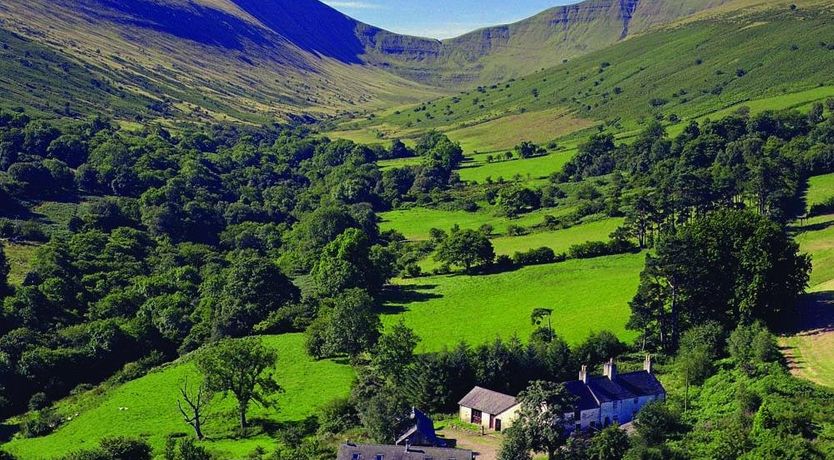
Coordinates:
647 364
583 374
609 369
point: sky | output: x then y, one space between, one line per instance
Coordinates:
440 18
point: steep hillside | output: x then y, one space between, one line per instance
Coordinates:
211 59
258 60
699 68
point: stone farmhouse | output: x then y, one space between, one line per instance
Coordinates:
601 400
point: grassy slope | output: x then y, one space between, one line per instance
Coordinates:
415 223
19 257
779 51
209 59
558 240
152 412
812 351
586 295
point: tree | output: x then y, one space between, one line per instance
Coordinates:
728 266
467 248
186 449
195 401
243 368
349 262
656 422
528 149
541 418
394 351
609 444
514 200
347 324
538 316
246 293
514 446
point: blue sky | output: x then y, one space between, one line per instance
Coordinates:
440 18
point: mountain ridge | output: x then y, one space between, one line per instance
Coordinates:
257 60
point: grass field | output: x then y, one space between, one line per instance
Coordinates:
820 188
558 240
415 223
587 295
506 132
810 351
531 168
152 413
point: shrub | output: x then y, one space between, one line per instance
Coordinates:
593 249
38 401
40 423
538 256
516 230
338 416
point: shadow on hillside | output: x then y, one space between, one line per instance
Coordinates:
815 315
801 228
7 431
398 297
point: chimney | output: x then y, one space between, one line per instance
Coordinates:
609 369
583 374
647 364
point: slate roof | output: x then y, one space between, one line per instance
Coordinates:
370 451
424 426
601 389
487 401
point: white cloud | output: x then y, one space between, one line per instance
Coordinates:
354 5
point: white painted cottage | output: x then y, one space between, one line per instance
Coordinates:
602 400
490 409
612 397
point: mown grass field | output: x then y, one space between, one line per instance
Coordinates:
586 295
415 223
558 240
152 412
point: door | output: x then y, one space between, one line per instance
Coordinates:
498 424
491 421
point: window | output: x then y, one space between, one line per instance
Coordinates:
356 456
636 400
476 416
380 457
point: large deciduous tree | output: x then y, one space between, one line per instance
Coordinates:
466 248
243 368
540 426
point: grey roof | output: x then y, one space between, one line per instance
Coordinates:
370 452
600 390
487 401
